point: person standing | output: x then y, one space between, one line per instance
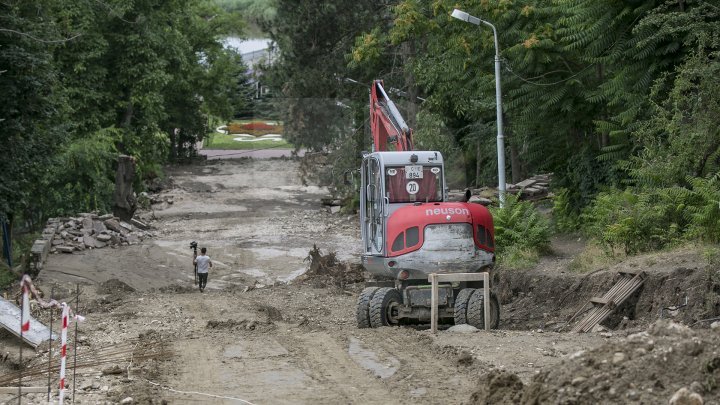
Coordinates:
203 268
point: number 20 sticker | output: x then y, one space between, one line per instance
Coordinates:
412 187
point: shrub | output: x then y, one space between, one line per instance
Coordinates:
643 220
519 226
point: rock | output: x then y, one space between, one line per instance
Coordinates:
99 227
578 380
114 225
606 334
463 328
127 400
103 237
65 249
618 358
112 370
697 387
684 396
715 325
89 241
476 199
598 328
105 217
334 209
87 224
464 358
126 226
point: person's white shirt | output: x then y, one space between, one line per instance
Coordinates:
203 263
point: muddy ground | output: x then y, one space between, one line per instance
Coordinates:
264 333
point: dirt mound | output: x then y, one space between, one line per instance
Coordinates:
114 286
498 387
547 300
648 367
326 270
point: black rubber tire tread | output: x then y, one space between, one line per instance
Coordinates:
379 303
362 310
476 313
461 303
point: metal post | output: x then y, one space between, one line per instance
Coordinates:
433 303
463 16
498 109
52 296
20 365
486 299
75 343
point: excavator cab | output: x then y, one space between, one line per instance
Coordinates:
391 180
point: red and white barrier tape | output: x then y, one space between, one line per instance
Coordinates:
27 289
63 349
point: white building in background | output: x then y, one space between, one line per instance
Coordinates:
253 52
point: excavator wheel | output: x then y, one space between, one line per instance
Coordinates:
384 306
461 303
476 310
362 310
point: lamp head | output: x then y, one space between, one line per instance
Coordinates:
463 16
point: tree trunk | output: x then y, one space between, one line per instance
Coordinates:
173 144
124 202
478 164
408 51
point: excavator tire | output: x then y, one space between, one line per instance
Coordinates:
476 310
461 303
362 311
383 305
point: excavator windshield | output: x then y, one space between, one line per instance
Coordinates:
413 183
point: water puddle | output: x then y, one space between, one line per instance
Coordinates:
369 360
255 273
292 276
255 350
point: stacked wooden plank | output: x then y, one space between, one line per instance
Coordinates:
602 307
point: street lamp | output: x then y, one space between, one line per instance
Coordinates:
463 16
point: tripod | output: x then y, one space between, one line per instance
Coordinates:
195 263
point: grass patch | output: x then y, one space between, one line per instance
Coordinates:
592 258
227 142
517 258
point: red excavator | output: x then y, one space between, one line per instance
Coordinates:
410 230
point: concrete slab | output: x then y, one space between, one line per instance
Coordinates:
10 320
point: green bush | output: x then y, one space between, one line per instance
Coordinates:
644 220
565 217
519 227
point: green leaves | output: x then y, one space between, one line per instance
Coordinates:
519 226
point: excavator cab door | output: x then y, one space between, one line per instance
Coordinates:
372 201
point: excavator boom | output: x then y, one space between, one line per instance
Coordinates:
388 125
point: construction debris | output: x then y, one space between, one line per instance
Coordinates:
89 231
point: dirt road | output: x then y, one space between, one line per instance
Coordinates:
258 334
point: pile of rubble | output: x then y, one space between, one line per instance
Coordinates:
532 189
90 231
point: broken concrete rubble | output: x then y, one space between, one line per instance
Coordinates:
90 231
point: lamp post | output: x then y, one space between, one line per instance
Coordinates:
463 16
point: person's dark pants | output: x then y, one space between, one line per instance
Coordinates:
202 280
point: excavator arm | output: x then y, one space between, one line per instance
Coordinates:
387 125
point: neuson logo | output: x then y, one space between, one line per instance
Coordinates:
447 211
